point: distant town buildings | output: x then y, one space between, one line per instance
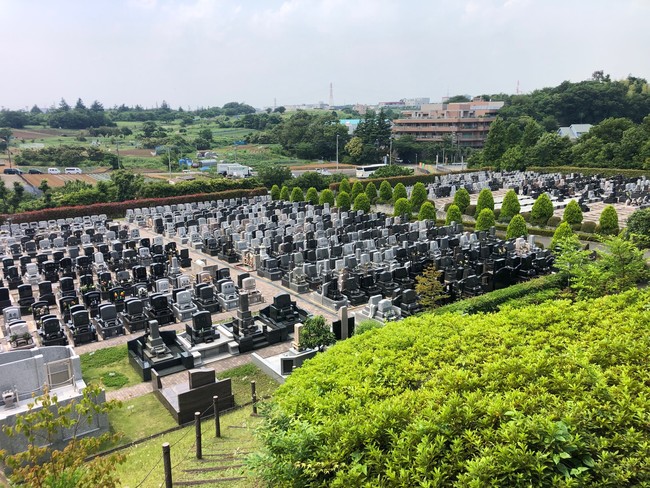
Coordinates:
574 130
467 123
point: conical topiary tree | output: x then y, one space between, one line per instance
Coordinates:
461 199
284 193
371 191
312 196
297 195
517 227
485 219
326 196
275 192
403 207
399 192
362 202
485 200
608 221
542 210
563 231
385 192
454 215
427 211
418 196
510 206
343 200
345 186
357 189
572 213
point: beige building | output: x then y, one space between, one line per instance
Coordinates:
467 123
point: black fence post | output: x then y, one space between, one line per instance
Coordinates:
197 428
254 396
167 463
217 422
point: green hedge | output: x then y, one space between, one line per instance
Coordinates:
118 209
490 301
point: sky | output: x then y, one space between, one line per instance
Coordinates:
204 53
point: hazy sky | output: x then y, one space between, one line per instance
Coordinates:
208 52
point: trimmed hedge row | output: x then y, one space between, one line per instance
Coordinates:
490 301
118 209
632 173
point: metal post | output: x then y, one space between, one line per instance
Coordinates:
197 428
217 421
254 396
169 159
337 153
167 463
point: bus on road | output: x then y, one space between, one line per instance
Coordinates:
368 170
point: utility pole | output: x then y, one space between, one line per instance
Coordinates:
337 153
169 160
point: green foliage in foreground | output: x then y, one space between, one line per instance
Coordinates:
549 395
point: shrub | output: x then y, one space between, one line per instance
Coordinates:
392 170
297 195
588 227
399 192
486 400
371 191
609 221
497 213
526 216
385 191
403 207
427 211
638 227
366 326
275 192
312 196
485 220
326 196
576 227
345 186
470 210
454 215
284 193
554 221
563 231
572 213
542 210
510 206
517 227
357 189
485 200
362 202
343 200
418 196
461 199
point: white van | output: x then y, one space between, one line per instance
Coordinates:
53 171
73 171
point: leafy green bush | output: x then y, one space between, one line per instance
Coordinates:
510 206
470 210
284 193
454 215
371 191
542 210
326 196
399 192
357 189
275 192
608 221
392 170
312 196
297 195
461 199
427 211
485 220
385 192
345 186
589 227
563 231
572 213
554 221
403 207
362 202
517 228
546 395
367 325
418 196
343 200
526 216
485 200
638 227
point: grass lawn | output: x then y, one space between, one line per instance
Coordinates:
222 458
109 367
241 378
138 418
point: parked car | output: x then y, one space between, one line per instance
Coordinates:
73 171
33 171
53 171
13 171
